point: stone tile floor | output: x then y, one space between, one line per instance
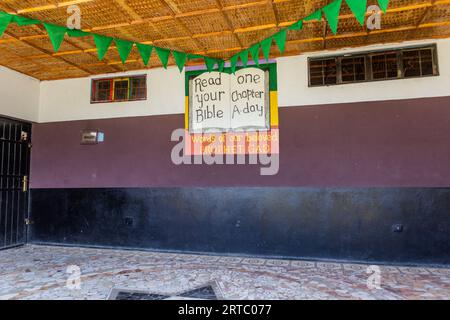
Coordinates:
40 272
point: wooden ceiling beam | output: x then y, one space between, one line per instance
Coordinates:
172 7
280 24
201 11
136 19
228 23
73 44
225 32
425 13
272 56
49 54
314 39
128 10
51 6
46 53
25 58
274 10
240 30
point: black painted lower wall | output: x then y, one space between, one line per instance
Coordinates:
348 224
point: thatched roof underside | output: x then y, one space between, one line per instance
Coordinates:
217 28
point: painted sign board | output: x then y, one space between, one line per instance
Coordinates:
238 112
222 102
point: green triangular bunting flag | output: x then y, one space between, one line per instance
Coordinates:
280 39
180 59
210 63
254 52
358 8
145 52
384 4
296 26
74 33
265 46
233 63
124 48
163 55
56 34
5 20
22 21
331 12
244 57
314 16
102 43
221 64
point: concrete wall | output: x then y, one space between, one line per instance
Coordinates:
336 145
391 143
327 223
294 91
19 95
386 133
67 100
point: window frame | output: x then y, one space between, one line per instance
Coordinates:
117 80
94 90
131 87
368 64
113 80
339 68
399 59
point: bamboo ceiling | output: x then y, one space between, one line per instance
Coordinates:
217 28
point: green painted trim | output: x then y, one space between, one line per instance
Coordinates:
273 77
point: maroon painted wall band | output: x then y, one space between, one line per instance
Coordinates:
370 144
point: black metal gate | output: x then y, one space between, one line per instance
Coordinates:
15 147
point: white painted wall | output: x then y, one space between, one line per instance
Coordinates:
19 95
294 91
64 100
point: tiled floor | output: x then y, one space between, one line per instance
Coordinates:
36 272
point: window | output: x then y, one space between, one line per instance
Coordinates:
373 66
138 88
418 63
384 66
353 69
119 89
323 72
102 90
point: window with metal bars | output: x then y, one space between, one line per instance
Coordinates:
138 88
119 89
374 66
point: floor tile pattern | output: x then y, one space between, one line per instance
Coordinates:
41 272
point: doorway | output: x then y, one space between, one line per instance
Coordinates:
15 146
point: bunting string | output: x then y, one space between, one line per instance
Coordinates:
57 33
330 12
